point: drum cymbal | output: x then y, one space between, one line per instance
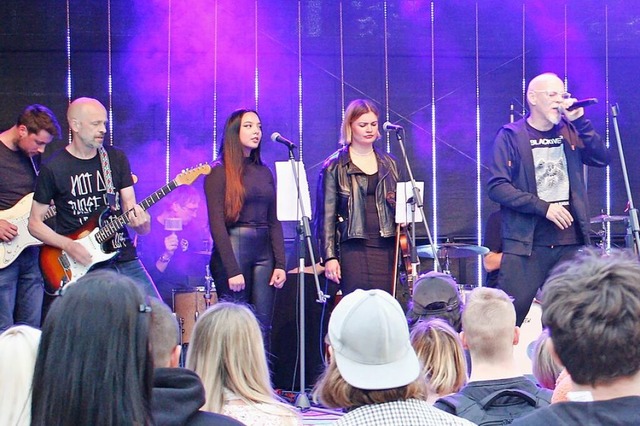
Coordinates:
607 218
452 250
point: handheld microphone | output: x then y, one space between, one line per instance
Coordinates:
387 127
582 103
277 137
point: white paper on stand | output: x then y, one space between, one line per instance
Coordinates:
404 191
287 192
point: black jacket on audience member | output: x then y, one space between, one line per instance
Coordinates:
177 397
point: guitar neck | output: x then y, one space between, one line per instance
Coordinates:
119 222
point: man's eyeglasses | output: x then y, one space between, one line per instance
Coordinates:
554 95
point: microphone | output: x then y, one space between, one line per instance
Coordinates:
583 103
277 137
387 127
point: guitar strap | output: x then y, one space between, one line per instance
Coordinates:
108 179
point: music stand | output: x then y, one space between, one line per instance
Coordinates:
293 200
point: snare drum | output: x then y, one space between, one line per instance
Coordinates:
188 304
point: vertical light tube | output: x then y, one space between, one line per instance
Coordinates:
386 74
480 270
434 175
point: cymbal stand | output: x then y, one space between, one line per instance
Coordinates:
208 287
604 241
416 196
633 212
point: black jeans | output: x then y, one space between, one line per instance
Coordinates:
521 276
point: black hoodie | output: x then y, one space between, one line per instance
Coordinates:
178 395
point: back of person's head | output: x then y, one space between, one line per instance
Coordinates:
94 364
227 351
440 351
489 324
372 358
543 365
18 349
435 295
37 118
163 335
591 306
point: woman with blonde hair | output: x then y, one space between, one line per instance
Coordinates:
227 352
544 368
18 350
440 351
355 206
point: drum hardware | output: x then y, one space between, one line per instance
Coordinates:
604 218
449 251
209 286
189 303
604 245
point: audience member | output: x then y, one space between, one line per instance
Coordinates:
227 352
18 349
178 393
440 351
435 295
591 306
497 391
374 372
544 367
94 366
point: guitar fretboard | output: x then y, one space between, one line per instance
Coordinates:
109 229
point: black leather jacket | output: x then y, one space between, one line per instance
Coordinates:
340 202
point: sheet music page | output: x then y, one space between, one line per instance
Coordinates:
403 210
287 193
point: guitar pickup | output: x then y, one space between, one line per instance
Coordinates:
64 261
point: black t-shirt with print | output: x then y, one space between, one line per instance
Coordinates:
78 189
552 185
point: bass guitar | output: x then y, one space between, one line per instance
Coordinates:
59 269
18 215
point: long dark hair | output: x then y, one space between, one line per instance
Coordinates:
233 161
93 364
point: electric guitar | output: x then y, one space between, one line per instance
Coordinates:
59 269
18 215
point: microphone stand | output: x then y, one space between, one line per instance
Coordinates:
633 212
415 262
304 234
417 198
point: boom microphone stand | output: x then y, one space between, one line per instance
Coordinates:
633 212
416 193
304 233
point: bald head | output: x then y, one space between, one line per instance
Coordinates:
545 99
81 106
88 122
547 81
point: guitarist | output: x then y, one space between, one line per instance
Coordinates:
74 178
20 147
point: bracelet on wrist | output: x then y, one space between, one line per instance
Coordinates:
164 258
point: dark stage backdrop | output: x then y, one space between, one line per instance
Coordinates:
170 72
